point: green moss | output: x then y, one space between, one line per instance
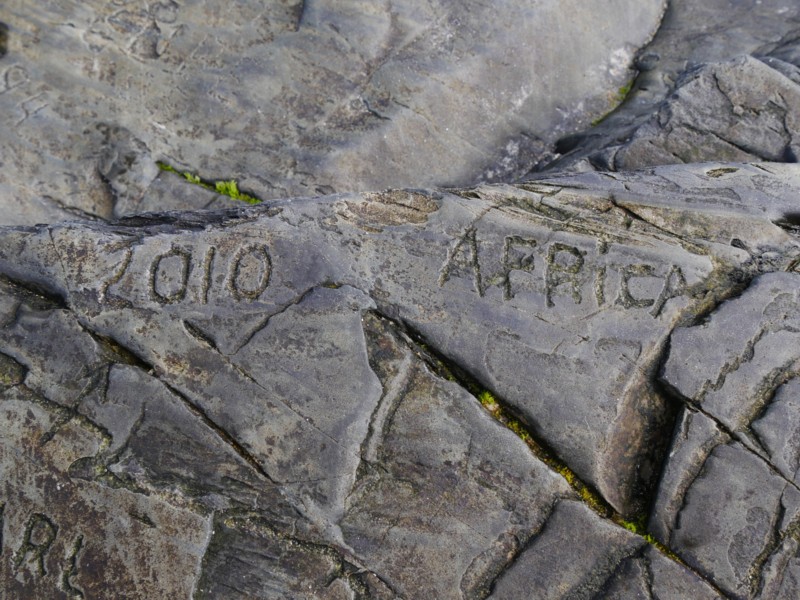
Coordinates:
591 497
623 92
619 98
231 189
588 495
227 187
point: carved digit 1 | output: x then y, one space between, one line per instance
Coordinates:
45 531
155 267
208 265
238 290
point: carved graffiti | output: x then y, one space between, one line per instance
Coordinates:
176 275
564 262
40 533
517 256
169 276
463 256
565 271
38 537
71 570
241 272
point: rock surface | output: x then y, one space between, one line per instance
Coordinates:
584 385
295 97
718 82
274 377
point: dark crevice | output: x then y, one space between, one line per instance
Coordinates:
39 291
648 576
519 550
770 384
226 437
63 415
180 221
72 210
734 435
300 10
635 216
756 574
293 302
731 367
4 35
199 334
394 388
790 222
447 369
116 351
604 589
347 567
201 414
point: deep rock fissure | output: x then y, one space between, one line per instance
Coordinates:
503 413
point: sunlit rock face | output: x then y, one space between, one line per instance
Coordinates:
297 98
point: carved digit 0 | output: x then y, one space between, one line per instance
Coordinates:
159 273
242 269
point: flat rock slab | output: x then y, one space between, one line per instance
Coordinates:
302 379
296 97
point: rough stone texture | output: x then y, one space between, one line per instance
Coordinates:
275 374
738 372
718 82
443 498
285 401
295 97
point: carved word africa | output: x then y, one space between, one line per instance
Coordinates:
566 272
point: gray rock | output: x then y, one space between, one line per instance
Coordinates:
444 500
733 518
532 277
580 574
740 368
737 371
295 98
734 111
276 374
717 83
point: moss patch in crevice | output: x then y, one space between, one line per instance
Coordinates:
226 187
591 497
617 99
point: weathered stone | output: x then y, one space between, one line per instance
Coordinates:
297 97
579 574
737 371
262 368
493 264
741 367
736 111
285 401
64 537
730 515
470 491
719 82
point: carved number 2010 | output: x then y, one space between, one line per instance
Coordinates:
247 278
